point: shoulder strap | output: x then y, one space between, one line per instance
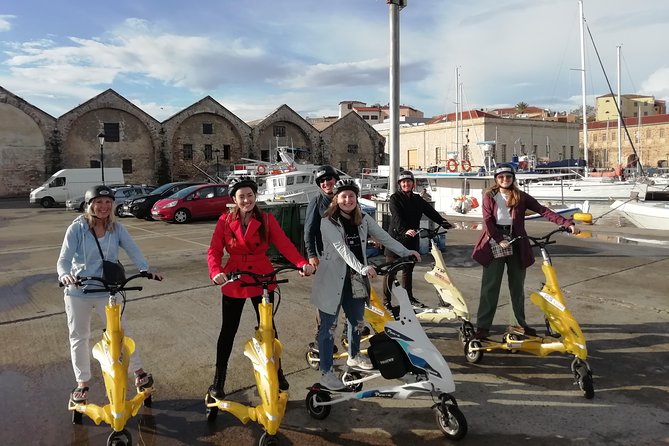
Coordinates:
95 237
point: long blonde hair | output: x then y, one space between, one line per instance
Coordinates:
90 217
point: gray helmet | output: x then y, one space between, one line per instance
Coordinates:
98 191
346 184
504 168
243 181
405 175
325 171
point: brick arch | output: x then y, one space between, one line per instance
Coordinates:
299 133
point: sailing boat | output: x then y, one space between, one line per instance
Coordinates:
585 187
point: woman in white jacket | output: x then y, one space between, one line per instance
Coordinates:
341 280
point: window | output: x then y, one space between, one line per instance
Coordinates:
594 138
647 133
349 106
535 147
187 151
208 152
352 148
342 166
59 182
374 117
207 128
571 152
279 130
365 117
661 133
503 152
111 130
226 151
127 166
95 164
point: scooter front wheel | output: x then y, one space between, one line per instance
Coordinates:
121 438
77 417
268 440
451 420
471 355
148 402
318 412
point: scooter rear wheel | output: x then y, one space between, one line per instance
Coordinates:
312 358
473 356
318 412
347 377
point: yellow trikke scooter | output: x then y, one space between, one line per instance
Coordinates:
113 353
264 351
563 334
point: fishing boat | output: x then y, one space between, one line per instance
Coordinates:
644 214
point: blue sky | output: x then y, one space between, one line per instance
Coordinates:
254 55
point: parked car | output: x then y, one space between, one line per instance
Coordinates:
194 202
121 193
140 207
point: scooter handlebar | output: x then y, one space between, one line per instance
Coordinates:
386 268
108 286
262 280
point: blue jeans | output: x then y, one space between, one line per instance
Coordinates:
354 309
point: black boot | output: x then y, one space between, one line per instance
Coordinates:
216 389
283 383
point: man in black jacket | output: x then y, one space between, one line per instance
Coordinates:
406 211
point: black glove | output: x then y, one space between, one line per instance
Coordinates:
446 225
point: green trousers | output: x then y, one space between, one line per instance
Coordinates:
491 283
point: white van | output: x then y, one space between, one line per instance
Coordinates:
68 183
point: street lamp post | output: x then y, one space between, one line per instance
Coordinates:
217 151
101 139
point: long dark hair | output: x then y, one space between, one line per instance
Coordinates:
235 214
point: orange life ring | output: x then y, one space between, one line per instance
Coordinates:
452 165
275 171
474 202
261 169
291 167
466 165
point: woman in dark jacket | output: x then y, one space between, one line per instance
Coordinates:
504 206
406 210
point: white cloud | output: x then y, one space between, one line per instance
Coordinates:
6 22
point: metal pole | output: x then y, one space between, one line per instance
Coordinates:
394 108
620 107
585 114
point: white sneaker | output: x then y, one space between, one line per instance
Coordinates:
360 362
331 382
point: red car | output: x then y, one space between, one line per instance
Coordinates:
193 202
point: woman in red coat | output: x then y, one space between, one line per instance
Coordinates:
504 206
245 233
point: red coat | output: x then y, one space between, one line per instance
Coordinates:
248 252
482 250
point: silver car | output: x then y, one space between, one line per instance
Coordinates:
121 193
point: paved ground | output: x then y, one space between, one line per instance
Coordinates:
615 283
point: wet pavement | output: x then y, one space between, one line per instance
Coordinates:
615 284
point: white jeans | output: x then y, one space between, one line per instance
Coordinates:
79 311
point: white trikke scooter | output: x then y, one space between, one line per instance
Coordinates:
404 352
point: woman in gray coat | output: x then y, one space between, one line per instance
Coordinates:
341 280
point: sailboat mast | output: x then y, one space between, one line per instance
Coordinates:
620 108
457 110
585 115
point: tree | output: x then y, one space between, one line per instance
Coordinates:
521 107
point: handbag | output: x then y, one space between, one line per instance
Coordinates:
360 285
497 251
112 272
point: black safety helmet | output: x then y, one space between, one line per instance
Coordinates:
405 175
505 168
243 181
98 191
346 184
325 171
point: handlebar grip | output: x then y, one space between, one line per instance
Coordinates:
282 281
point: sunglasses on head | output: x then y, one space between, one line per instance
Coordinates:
324 179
